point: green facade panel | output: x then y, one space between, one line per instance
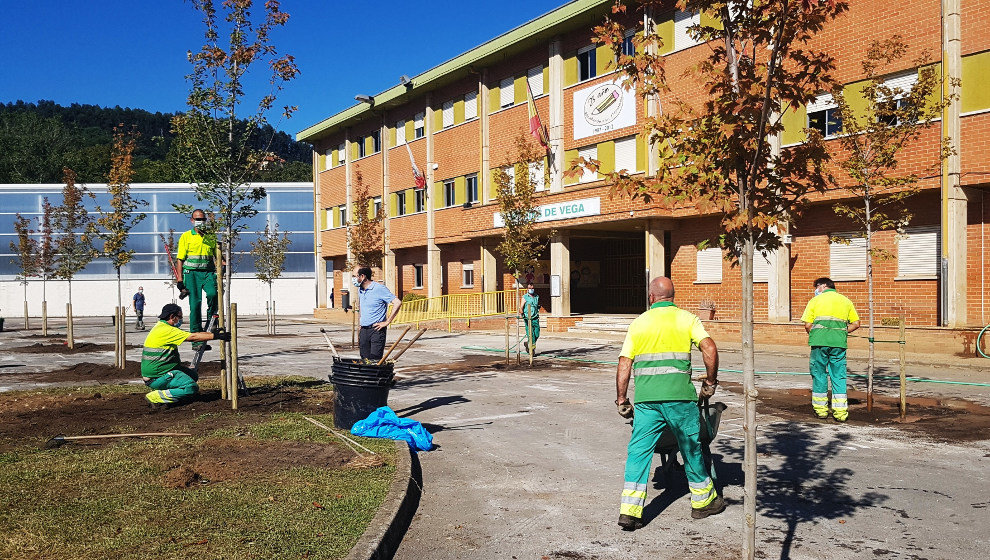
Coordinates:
606 157
975 79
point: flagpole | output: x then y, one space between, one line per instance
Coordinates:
544 133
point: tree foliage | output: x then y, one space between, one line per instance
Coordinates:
114 224
521 245
25 250
366 228
73 242
269 254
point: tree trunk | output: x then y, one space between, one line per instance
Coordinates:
120 325
869 306
44 306
749 395
69 338
26 322
271 306
226 273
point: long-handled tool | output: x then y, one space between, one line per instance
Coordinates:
345 439
60 440
403 351
198 357
332 349
183 291
394 344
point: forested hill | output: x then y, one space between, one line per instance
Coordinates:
38 139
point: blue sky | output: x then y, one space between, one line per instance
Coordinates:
132 53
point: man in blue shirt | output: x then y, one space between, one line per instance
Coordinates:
139 307
375 299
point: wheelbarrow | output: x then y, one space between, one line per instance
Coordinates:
711 415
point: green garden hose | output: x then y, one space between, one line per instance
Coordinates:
980 338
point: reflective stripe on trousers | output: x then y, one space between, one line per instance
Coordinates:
633 499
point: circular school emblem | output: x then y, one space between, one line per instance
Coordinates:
603 104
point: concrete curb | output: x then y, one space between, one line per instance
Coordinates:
381 539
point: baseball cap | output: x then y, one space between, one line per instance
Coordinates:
169 310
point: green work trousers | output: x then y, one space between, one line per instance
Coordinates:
533 324
197 282
829 364
649 422
178 384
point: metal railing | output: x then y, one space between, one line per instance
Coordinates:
459 306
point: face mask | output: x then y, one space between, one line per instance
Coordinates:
199 223
531 291
355 282
818 292
179 324
140 291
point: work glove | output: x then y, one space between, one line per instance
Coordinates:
707 391
625 409
183 291
220 334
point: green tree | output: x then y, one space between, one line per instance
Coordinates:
365 228
46 257
269 262
74 244
714 148
515 194
25 256
870 146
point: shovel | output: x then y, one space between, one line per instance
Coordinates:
61 439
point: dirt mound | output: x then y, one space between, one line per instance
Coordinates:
946 419
220 460
60 347
36 417
89 371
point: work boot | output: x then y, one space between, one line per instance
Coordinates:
630 523
716 507
155 402
840 415
820 413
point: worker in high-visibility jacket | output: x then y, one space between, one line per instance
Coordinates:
161 369
657 353
196 256
828 320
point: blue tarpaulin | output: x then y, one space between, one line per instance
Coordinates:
383 423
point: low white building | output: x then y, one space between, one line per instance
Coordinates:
94 289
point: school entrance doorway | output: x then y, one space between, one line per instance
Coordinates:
608 272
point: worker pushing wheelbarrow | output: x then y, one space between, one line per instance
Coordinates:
657 355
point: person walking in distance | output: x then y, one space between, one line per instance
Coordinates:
375 299
139 308
529 310
828 320
657 354
161 368
196 256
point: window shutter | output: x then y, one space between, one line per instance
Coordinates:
393 205
822 102
437 195
903 82
625 154
535 78
460 190
847 262
761 266
341 154
448 114
323 219
918 253
400 133
470 105
507 92
589 152
709 266
682 37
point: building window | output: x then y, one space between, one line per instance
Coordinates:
448 114
587 67
627 43
683 38
400 133
329 158
376 141
341 154
590 152
420 200
361 148
449 194
709 266
823 116
918 251
343 215
900 89
467 271
420 130
400 203
418 276
761 266
507 92
537 175
472 188
510 171
377 206
625 155
534 76
847 256
470 105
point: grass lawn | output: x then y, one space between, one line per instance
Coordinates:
253 484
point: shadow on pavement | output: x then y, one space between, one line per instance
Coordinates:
431 403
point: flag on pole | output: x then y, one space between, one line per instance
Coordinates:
417 174
535 125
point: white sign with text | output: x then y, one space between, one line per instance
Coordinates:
562 210
602 108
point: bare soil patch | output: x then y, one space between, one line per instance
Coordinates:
103 372
217 460
57 347
944 419
36 417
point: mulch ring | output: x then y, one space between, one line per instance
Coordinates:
943 419
217 460
36 417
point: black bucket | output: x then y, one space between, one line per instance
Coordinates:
359 389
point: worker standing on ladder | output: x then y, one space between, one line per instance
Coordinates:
529 311
657 352
199 273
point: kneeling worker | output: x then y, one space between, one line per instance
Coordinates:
657 351
161 368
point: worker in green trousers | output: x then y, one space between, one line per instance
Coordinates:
529 310
828 319
196 256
